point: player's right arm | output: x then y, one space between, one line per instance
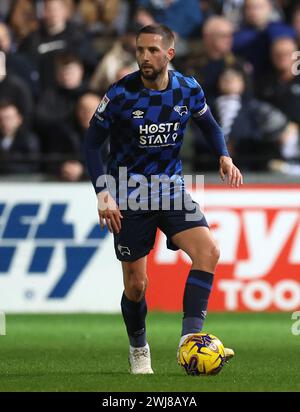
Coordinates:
96 135
109 212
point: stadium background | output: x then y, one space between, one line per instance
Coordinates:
53 257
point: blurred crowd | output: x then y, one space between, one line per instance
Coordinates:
58 57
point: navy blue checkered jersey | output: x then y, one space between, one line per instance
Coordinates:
146 126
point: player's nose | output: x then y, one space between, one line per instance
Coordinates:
146 56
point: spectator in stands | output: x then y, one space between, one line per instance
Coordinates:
213 55
250 126
73 169
16 63
16 141
84 111
255 131
232 10
4 8
22 19
253 40
281 87
122 54
124 71
296 22
185 20
288 8
15 89
105 16
54 111
143 17
56 34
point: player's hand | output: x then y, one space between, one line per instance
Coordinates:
109 213
230 171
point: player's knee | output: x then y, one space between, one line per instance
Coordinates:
215 253
206 256
136 286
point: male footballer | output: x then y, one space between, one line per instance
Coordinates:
145 116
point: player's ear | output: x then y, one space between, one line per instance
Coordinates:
171 53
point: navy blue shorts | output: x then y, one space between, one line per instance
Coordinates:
137 235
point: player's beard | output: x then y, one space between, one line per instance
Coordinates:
152 74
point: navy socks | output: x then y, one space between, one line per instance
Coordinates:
134 315
195 300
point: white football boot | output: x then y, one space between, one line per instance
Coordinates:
182 339
229 354
140 360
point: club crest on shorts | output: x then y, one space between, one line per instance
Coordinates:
124 250
181 110
102 105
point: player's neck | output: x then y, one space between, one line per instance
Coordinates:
160 83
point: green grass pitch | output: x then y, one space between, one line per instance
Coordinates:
89 353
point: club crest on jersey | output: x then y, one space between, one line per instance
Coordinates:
138 114
102 106
181 110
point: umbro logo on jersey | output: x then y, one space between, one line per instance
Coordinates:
181 110
138 114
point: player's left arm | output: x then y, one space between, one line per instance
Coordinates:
214 136
230 171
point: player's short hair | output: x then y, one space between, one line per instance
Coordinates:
160 29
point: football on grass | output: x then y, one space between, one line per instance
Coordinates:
202 354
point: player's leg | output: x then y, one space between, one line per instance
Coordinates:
132 245
134 310
133 303
202 249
